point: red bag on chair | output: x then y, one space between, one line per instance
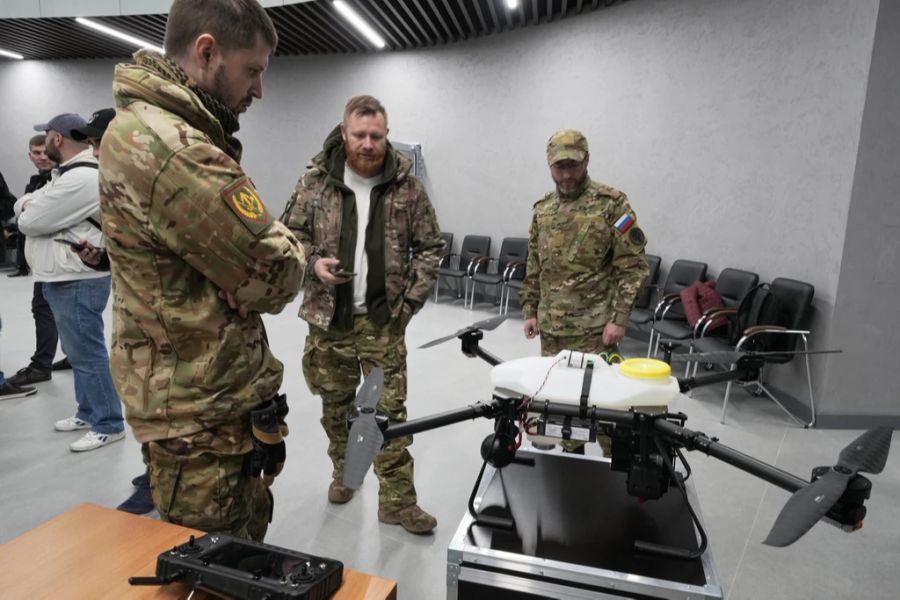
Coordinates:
699 297
709 298
690 302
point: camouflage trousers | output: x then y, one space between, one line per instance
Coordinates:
332 362
551 345
198 481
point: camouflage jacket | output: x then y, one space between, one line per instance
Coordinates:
583 271
410 241
182 222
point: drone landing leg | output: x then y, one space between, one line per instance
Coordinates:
487 520
671 551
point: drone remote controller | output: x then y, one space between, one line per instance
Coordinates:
236 568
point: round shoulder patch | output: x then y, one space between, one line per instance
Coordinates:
636 236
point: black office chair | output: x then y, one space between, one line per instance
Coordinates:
647 296
473 247
682 274
770 320
512 250
732 285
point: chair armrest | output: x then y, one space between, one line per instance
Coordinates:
665 304
709 316
758 329
476 262
510 269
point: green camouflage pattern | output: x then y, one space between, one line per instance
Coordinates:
551 345
582 272
412 236
182 221
567 144
332 361
197 482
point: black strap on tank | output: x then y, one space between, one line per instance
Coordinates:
75 165
586 389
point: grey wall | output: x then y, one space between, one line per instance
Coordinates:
733 126
865 380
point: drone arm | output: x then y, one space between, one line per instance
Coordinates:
471 348
743 370
696 440
467 413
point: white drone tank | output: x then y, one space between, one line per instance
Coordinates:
642 383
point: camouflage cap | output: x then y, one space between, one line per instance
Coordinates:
566 144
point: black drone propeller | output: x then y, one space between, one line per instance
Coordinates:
728 357
486 324
868 453
365 437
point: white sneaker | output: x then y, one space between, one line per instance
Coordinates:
93 440
71 424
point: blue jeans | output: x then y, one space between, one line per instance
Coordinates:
78 310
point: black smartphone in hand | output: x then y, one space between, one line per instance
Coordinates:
73 245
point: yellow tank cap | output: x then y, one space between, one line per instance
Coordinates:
645 368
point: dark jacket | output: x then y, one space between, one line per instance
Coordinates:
403 239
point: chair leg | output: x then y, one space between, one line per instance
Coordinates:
727 394
650 343
780 405
437 287
687 364
812 400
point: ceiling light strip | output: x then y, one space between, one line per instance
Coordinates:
118 35
364 28
8 54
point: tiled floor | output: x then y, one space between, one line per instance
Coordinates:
40 478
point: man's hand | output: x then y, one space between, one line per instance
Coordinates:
241 309
531 328
269 430
613 334
91 253
324 270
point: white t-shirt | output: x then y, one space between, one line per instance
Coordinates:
362 190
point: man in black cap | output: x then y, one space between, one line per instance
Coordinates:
67 210
93 131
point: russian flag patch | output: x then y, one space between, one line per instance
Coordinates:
624 222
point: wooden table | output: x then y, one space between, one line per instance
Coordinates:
90 552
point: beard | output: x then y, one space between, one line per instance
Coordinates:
366 165
220 92
53 153
570 189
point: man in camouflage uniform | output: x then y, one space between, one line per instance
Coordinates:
195 259
373 244
586 258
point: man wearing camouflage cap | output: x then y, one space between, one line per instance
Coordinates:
196 258
586 258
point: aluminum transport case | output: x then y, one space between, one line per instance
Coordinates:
574 534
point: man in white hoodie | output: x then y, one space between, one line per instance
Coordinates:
67 209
